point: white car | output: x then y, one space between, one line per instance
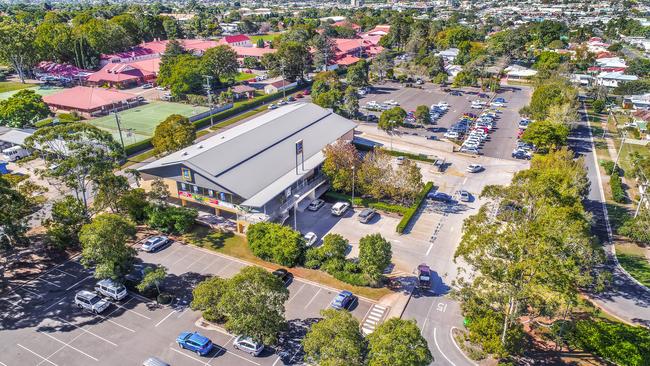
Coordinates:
496 104
310 239
339 208
90 301
154 243
474 168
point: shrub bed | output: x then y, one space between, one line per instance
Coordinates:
401 226
368 202
618 193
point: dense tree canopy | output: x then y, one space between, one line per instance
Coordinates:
398 342
14 209
104 246
335 340
22 109
173 134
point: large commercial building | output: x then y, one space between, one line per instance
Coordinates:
256 171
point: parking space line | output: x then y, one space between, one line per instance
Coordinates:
139 297
87 331
297 292
2 363
242 357
133 311
50 282
35 354
78 282
116 323
186 355
69 346
31 292
66 273
312 299
165 318
170 253
223 269
181 258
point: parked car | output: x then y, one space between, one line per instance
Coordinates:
248 345
439 196
310 239
299 95
464 196
282 274
451 135
90 301
154 243
474 168
147 86
521 154
195 342
160 88
316 204
366 215
424 276
307 92
399 160
282 102
291 98
343 300
339 208
469 150
110 288
272 106
154 361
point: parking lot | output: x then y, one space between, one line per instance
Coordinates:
502 140
41 325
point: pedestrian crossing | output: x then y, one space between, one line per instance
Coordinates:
373 319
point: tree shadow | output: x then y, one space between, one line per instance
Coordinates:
289 347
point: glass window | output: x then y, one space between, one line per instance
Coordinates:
186 174
183 187
210 193
196 189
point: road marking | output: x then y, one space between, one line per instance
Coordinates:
435 339
31 292
116 323
50 282
223 269
133 311
297 292
181 258
78 282
35 354
68 345
139 297
312 299
66 273
2 363
186 355
465 180
165 318
89 332
429 250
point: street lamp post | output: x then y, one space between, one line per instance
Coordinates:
353 168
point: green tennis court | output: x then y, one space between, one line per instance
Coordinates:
140 122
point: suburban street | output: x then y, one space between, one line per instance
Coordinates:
624 298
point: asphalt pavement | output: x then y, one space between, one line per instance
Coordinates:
624 298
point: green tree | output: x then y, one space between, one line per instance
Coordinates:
422 115
104 246
221 63
351 101
357 74
173 134
183 75
398 342
598 105
441 78
639 66
22 109
153 277
340 159
637 228
548 61
68 216
134 203
324 51
381 64
334 246
17 46
335 340
206 298
375 254
546 135
108 192
276 243
254 304
171 219
391 119
294 60
14 209
77 154
550 92
54 41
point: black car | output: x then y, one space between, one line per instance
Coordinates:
282 274
521 154
372 118
441 197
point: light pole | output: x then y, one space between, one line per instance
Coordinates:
295 215
208 90
620 149
353 168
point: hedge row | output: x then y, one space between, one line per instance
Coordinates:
146 143
420 157
401 226
368 202
618 193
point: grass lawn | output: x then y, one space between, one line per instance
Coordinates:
139 123
266 37
244 76
138 158
633 259
238 118
237 246
6 86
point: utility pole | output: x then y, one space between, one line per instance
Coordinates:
353 185
119 128
209 91
620 149
643 195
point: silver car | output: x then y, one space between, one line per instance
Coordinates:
248 345
90 301
154 243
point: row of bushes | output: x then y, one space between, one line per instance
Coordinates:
368 202
420 157
146 143
408 216
330 257
618 193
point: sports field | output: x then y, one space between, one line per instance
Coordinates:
139 123
11 90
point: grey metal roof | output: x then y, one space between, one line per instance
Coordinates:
250 157
16 136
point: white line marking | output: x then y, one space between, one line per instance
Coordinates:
300 289
139 297
50 282
312 299
64 272
2 363
242 357
439 349
78 282
451 335
165 318
31 292
55 304
429 250
186 355
89 332
379 307
36 354
181 258
133 311
12 303
68 345
116 323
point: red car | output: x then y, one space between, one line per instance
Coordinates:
520 133
307 92
299 95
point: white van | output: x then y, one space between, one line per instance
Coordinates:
15 152
112 289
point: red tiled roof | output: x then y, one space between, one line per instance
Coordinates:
252 51
125 71
158 47
236 38
347 60
86 99
238 89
